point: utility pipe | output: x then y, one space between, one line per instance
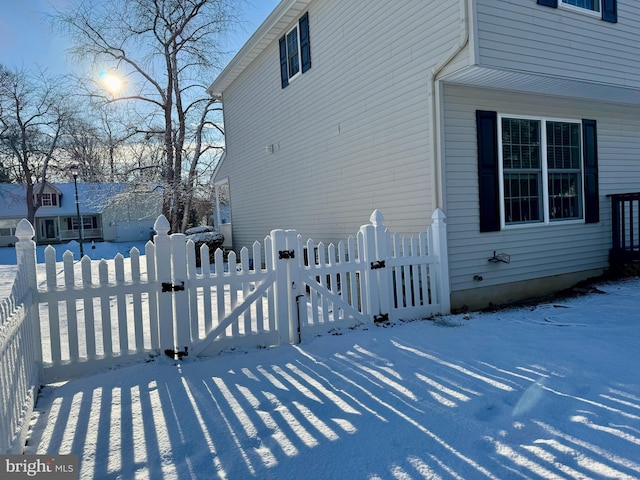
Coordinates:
434 110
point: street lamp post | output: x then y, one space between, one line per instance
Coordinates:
74 172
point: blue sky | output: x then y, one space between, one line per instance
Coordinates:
27 41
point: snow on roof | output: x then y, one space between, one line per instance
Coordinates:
92 198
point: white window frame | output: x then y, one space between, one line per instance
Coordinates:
46 200
546 220
296 27
218 186
583 10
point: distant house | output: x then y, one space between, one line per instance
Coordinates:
113 212
517 118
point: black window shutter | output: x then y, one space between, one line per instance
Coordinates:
305 45
591 195
487 130
284 68
610 11
548 3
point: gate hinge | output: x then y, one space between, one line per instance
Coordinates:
378 264
383 317
286 254
170 287
177 354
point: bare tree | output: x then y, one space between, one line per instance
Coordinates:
165 52
33 116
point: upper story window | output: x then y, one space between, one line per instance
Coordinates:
608 9
49 200
295 51
588 4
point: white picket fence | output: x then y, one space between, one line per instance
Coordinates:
20 348
282 290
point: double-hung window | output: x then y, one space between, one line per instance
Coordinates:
593 5
536 171
49 199
606 9
295 51
541 164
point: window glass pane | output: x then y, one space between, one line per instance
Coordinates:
564 196
588 4
564 167
522 169
522 198
292 52
223 205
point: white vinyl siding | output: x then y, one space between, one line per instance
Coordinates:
350 135
524 36
554 249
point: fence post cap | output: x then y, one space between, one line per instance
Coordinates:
162 225
438 214
376 218
24 230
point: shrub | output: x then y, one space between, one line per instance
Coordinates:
205 235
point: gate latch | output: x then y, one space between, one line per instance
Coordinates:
286 254
378 264
170 287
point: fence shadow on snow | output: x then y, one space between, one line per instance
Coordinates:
245 419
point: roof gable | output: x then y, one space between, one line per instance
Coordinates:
275 25
47 188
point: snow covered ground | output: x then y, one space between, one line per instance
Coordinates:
546 391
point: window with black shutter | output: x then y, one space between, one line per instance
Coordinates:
606 9
536 171
295 51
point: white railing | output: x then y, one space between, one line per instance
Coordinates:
87 234
20 347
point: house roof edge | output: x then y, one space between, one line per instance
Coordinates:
270 29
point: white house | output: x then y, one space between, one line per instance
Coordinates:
517 118
114 212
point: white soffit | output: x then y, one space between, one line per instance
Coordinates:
541 84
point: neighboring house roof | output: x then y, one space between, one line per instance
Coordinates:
271 29
92 198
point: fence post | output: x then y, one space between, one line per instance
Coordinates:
376 289
440 245
375 254
295 284
281 285
162 243
26 260
382 261
182 318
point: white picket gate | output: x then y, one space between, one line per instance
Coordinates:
280 291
